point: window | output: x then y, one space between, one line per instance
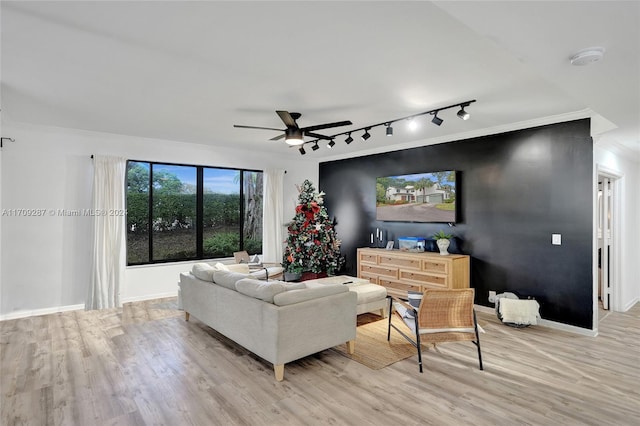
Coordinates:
181 212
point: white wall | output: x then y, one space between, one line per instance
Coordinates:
44 260
627 165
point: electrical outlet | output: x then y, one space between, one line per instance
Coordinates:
492 297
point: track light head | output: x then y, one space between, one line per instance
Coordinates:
436 120
389 129
315 146
330 144
349 139
366 135
302 151
464 115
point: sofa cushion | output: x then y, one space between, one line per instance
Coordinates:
297 296
263 290
203 271
227 279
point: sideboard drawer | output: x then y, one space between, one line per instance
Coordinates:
441 267
400 262
379 270
368 257
398 288
424 278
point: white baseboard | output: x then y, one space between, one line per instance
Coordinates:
150 297
38 312
547 323
47 311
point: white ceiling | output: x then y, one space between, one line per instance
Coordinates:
188 71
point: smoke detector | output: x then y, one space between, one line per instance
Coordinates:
588 56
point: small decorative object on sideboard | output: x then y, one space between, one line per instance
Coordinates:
442 240
414 244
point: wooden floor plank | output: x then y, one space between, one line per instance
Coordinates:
144 365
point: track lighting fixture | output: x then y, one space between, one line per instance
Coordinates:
295 136
464 115
349 139
436 120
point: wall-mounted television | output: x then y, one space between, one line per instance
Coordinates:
419 197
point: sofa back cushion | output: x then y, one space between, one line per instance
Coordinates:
263 290
297 296
203 271
227 279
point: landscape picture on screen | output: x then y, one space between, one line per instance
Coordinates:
420 197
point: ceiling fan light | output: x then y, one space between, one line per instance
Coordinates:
293 137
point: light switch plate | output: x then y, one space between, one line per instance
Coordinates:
556 239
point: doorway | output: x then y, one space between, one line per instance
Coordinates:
607 235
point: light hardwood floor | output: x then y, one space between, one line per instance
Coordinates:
144 365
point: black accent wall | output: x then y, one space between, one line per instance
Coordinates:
515 189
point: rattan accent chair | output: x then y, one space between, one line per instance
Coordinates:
443 316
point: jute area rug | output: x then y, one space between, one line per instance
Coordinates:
372 348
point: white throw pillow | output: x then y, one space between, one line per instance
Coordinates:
202 271
221 266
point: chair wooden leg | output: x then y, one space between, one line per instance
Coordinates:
186 316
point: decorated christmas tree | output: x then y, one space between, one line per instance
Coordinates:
312 245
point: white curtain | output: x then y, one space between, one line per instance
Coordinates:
272 227
109 227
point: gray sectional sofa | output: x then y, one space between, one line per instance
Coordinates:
280 322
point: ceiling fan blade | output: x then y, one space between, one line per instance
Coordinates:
317 136
256 127
287 119
277 137
327 125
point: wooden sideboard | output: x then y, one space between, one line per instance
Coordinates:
400 271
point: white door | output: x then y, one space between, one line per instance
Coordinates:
605 240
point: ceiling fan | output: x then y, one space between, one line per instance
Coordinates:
293 134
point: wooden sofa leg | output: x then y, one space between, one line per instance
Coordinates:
279 370
186 316
351 346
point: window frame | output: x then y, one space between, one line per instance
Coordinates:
199 210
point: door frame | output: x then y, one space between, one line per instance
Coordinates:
615 265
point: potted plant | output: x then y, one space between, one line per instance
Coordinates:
442 240
293 272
